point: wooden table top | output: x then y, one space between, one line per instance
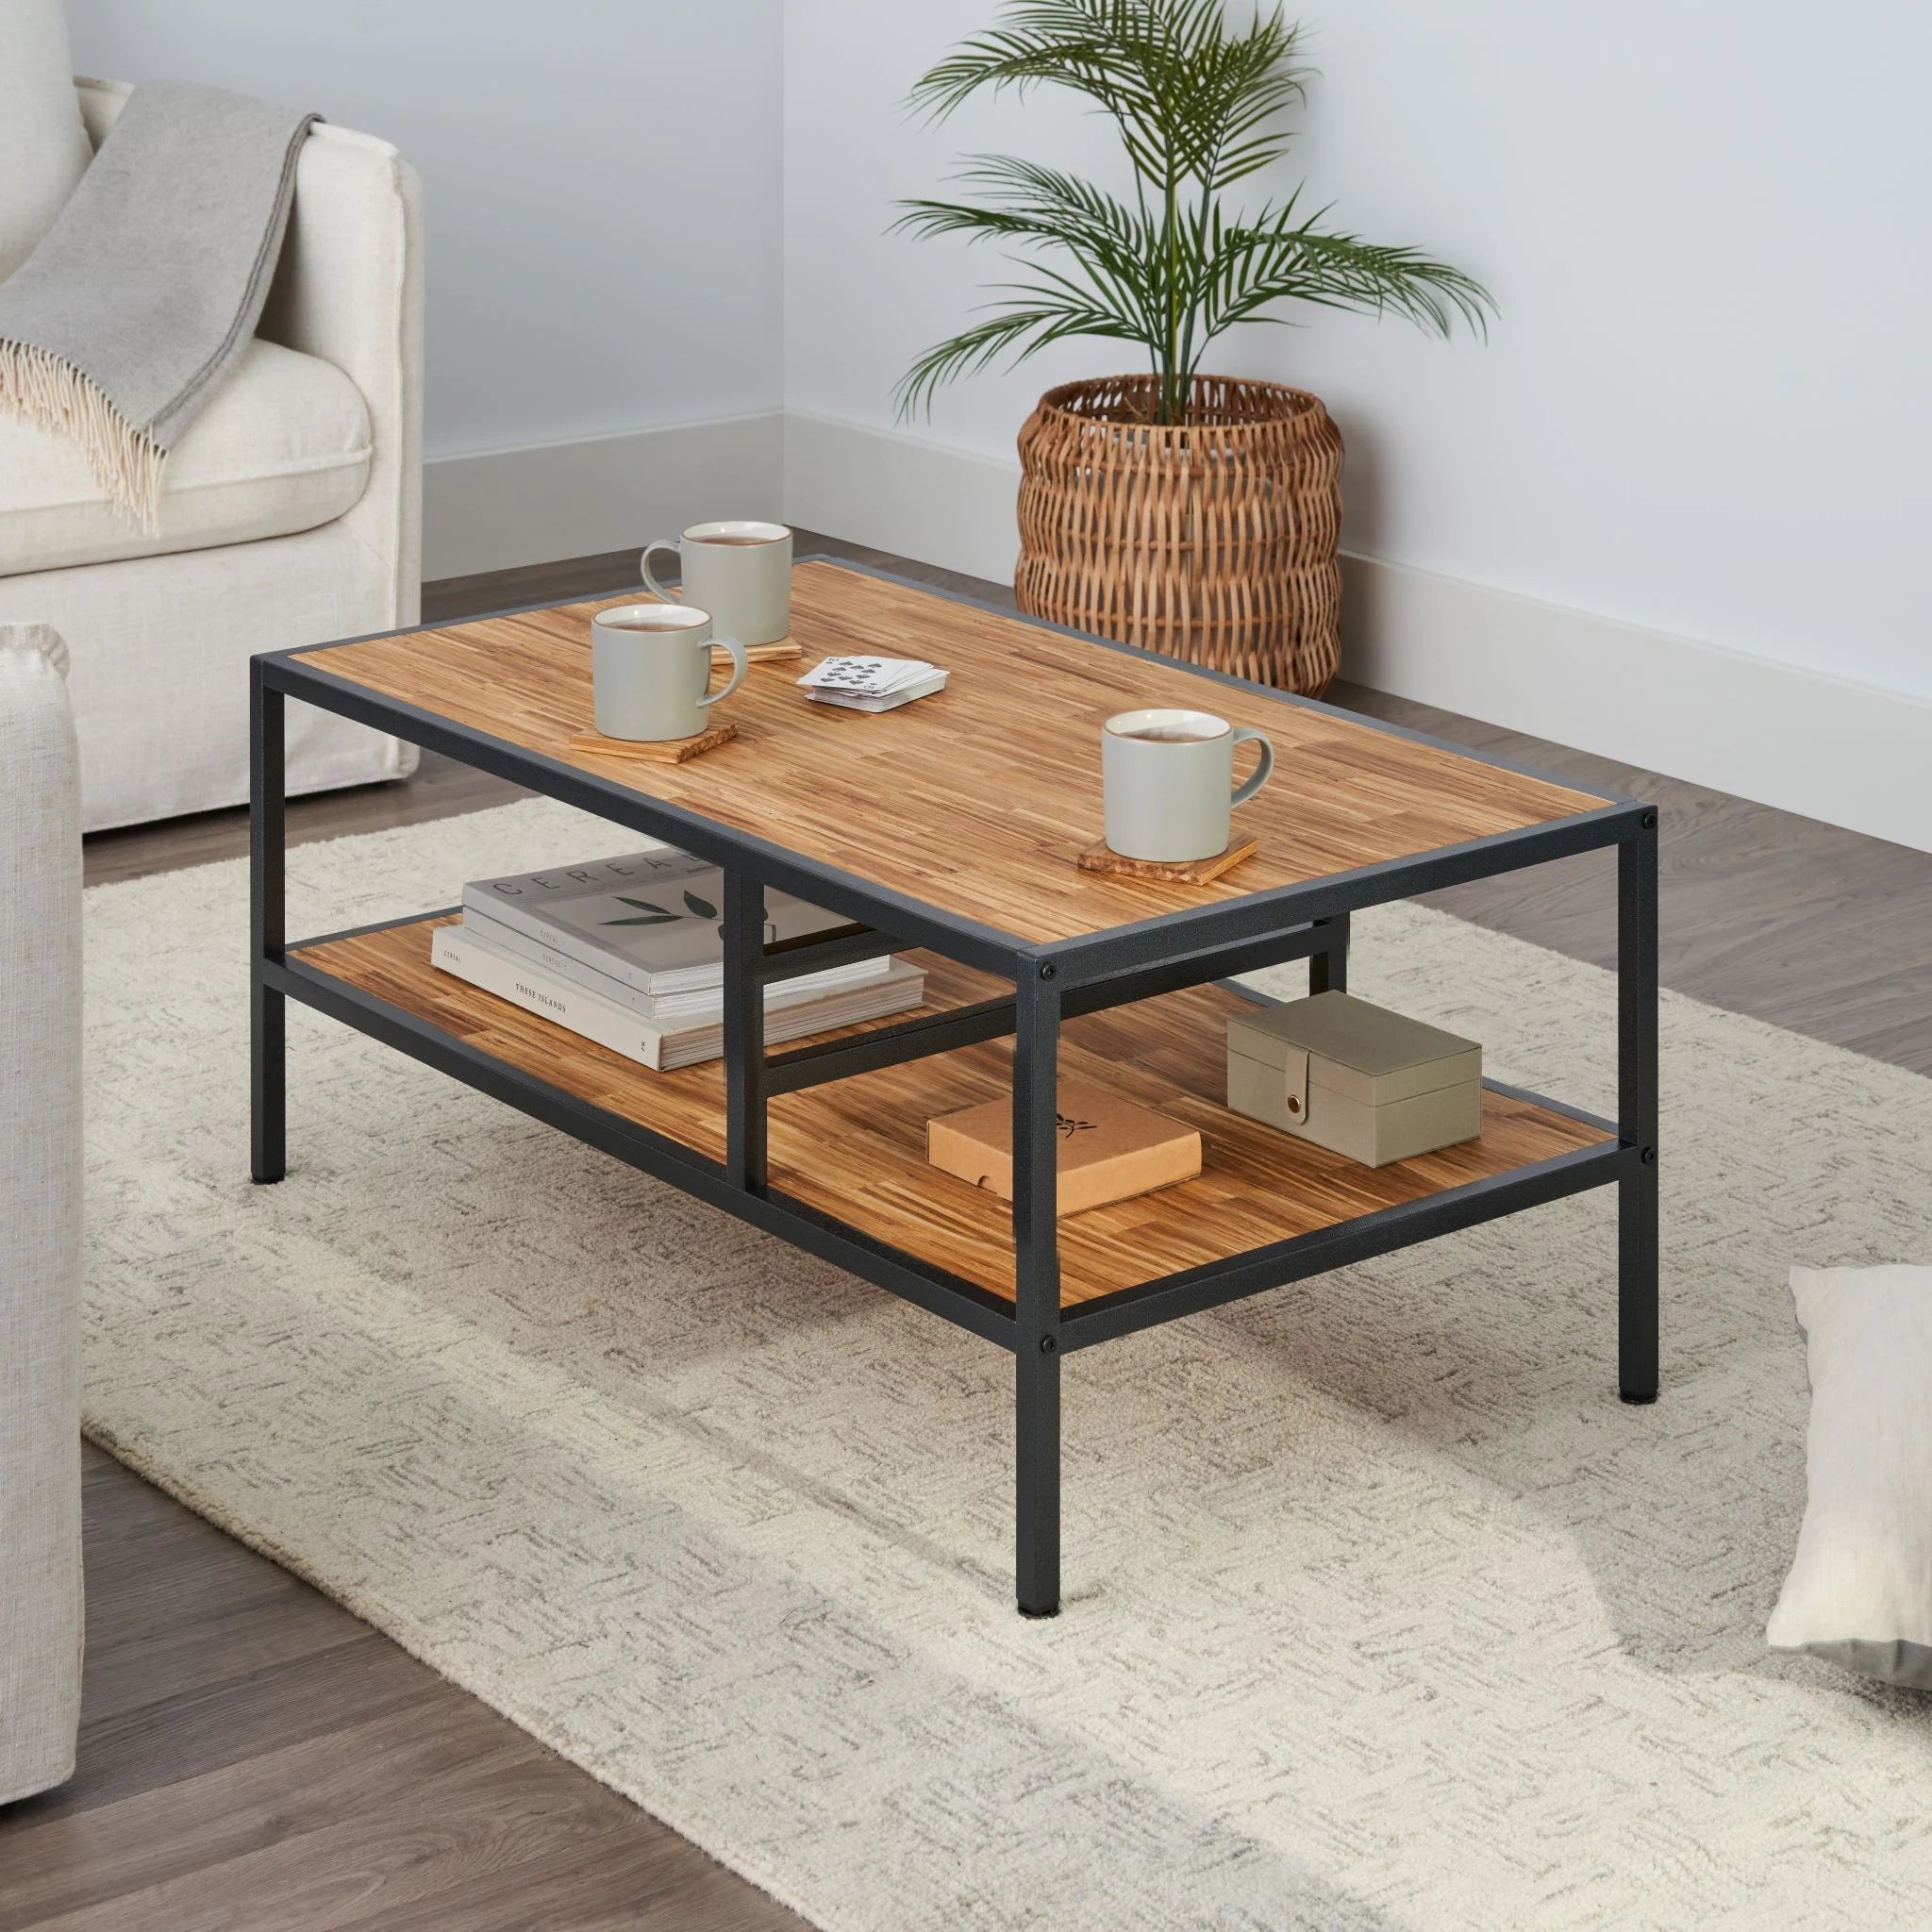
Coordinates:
979 800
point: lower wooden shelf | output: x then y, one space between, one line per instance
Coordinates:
855 1149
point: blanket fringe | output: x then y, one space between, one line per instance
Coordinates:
51 393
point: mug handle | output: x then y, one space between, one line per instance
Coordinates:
644 566
739 665
1263 770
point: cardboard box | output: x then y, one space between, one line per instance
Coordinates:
1109 1148
1355 1077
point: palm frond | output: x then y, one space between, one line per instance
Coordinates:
1240 87
1015 333
1086 46
1276 258
1199 107
1137 60
1043 208
1026 200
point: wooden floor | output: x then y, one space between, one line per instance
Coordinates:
252 1756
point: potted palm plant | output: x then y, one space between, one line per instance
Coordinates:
1194 513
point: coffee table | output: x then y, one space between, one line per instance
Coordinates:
950 829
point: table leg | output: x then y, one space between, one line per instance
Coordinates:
1037 1298
1328 969
744 1031
267 934
1636 1113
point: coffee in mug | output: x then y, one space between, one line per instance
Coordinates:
1177 734
740 571
1168 777
650 670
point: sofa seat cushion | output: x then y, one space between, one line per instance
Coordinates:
283 446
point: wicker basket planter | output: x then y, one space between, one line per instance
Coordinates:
1216 539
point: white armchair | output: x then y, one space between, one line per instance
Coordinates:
292 515
39 1217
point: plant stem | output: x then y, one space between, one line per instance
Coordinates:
1170 347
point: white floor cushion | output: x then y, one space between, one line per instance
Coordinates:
1859 1593
283 446
43 146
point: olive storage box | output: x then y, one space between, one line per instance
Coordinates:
1355 1077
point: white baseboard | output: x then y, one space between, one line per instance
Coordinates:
1848 753
922 500
537 504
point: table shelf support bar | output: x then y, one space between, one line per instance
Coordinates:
1637 1112
744 1031
1328 964
267 1016
1037 1296
1193 1290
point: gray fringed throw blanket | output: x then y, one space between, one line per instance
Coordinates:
120 325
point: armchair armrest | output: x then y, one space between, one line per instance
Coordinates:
40 1215
350 290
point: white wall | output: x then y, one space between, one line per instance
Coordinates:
1699 427
1706 406
859 303
601 182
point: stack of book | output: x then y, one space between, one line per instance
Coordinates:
630 952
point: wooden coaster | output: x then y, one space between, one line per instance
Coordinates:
660 751
781 651
1191 872
786 651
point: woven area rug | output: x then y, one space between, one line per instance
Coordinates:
1381 1611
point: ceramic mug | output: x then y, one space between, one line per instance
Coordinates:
1169 782
740 571
650 667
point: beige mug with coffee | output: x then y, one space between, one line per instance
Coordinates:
1169 782
740 571
650 672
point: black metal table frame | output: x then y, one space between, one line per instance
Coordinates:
1052 982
